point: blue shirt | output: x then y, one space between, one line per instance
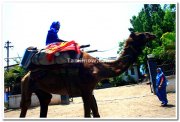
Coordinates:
52 36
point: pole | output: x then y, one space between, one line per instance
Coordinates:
7 46
152 66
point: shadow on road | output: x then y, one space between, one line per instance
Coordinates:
169 106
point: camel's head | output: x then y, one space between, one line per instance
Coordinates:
139 40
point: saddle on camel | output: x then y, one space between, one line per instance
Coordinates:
52 54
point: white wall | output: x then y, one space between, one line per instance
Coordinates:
171 87
135 76
14 100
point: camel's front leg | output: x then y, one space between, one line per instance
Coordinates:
25 103
94 107
25 95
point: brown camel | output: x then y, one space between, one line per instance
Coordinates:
79 80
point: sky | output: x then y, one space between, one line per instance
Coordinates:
100 24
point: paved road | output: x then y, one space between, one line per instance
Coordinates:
125 102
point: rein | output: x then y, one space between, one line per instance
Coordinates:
134 50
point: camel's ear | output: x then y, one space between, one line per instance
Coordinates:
132 35
131 30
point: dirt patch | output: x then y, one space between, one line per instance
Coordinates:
125 102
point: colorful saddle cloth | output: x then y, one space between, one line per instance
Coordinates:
57 47
55 53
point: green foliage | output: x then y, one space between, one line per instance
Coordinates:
168 38
9 78
13 76
6 105
130 80
161 22
122 80
169 21
121 46
117 81
158 52
167 49
99 85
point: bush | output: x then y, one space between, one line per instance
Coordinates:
131 80
118 81
104 84
6 105
12 79
99 85
122 80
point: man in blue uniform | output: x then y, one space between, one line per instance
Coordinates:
52 33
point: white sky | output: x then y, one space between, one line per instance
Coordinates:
100 24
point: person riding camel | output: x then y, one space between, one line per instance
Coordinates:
52 35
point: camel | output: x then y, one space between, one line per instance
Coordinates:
83 78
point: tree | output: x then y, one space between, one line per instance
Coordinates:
13 77
167 50
153 18
121 46
169 24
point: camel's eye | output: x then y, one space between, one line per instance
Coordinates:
142 36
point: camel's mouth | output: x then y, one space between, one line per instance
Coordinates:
150 37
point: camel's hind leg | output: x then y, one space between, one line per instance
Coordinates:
94 107
25 95
44 99
90 104
86 101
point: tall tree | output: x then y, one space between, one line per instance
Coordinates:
153 18
167 50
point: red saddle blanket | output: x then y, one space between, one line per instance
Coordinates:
53 48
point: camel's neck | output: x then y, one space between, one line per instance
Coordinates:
112 69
